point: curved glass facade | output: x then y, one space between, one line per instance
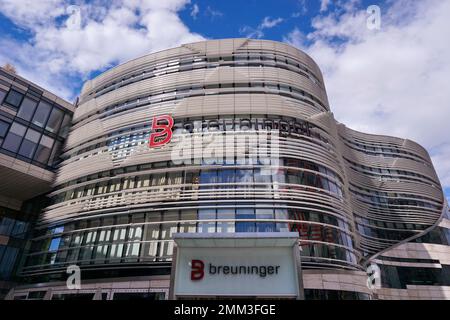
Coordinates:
117 202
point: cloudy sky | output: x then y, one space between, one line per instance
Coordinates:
392 81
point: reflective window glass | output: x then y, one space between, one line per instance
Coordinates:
223 226
167 231
245 226
53 157
226 176
244 176
8 261
206 214
29 143
27 108
2 95
54 244
44 149
152 232
264 214
208 177
54 121
333 187
171 216
3 128
265 226
14 98
158 179
175 177
65 126
14 137
262 176
6 226
41 115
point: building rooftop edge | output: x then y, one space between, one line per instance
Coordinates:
184 45
68 105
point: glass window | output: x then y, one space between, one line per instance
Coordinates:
323 183
3 128
114 185
188 227
223 226
292 177
265 226
152 232
53 157
41 115
135 233
54 244
132 250
6 226
65 126
245 226
2 95
117 246
171 215
27 108
158 179
333 187
19 230
244 176
226 176
29 144
54 121
8 261
263 177
206 214
14 137
44 149
102 248
175 177
309 179
264 214
281 214
14 98
208 177
167 230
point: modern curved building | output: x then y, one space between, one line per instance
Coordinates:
265 155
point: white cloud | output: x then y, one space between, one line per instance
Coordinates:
442 158
295 38
303 9
30 12
111 32
252 33
213 13
266 23
324 5
195 10
393 81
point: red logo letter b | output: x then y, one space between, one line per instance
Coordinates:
198 270
161 130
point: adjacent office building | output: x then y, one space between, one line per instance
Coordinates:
33 126
272 160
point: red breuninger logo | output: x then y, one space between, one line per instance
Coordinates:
160 130
197 270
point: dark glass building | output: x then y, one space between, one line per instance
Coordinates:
353 198
33 126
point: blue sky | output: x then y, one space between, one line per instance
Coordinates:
213 20
387 81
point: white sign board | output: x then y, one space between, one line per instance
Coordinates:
236 271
